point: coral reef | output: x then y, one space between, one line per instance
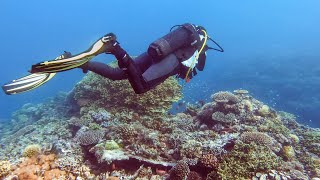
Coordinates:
102 130
258 159
118 96
40 167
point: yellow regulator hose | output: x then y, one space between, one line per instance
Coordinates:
197 56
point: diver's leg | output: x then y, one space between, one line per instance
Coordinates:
161 69
133 71
104 70
143 61
153 83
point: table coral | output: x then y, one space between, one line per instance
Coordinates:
225 97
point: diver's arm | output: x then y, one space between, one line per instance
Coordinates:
105 70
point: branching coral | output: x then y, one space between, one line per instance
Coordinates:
257 158
311 140
274 125
118 96
191 149
126 132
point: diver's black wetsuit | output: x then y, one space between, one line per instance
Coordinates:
150 69
145 65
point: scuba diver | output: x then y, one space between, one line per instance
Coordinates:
179 53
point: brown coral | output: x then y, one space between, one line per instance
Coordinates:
179 171
257 137
224 118
31 150
118 96
209 161
41 167
193 176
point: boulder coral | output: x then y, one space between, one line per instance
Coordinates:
257 137
86 136
118 96
31 150
179 171
288 152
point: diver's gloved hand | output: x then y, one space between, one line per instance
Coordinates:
65 55
110 41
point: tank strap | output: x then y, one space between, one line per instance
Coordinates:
194 35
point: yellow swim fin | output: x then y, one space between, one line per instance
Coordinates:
27 83
100 46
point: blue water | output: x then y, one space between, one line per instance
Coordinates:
271 47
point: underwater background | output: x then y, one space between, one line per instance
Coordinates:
271 47
253 113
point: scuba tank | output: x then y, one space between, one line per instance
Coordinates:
184 35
